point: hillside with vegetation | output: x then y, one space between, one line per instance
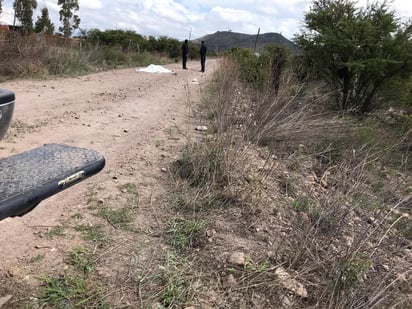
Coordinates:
221 41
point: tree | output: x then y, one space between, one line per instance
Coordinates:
43 23
357 51
23 10
70 21
1 8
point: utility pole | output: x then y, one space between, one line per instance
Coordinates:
254 50
14 18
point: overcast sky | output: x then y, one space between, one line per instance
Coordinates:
181 18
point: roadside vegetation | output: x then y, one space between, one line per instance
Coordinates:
35 50
297 195
44 56
288 203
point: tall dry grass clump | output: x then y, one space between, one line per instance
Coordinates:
21 56
39 56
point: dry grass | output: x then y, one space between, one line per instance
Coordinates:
300 191
39 57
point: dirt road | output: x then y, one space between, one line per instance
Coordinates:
137 120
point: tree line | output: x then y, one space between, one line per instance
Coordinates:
363 54
70 21
23 12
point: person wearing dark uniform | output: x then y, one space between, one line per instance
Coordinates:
185 50
203 50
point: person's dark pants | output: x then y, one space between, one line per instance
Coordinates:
184 60
202 62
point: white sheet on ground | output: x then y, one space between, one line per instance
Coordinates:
153 68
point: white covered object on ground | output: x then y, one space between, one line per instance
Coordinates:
153 68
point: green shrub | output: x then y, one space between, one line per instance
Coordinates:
202 164
253 68
69 291
353 270
185 233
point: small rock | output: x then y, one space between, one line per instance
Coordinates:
348 240
164 170
385 267
289 283
403 277
286 302
303 217
210 233
228 281
5 300
201 128
125 130
124 190
237 258
271 254
371 220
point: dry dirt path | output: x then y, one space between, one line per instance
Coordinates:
137 120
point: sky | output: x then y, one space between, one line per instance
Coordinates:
190 19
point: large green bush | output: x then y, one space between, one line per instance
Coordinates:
356 51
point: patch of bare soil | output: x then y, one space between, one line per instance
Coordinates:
139 122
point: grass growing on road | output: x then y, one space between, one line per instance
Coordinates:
72 291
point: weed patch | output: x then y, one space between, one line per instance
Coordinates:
70 291
82 260
186 233
56 231
94 233
133 195
175 285
118 218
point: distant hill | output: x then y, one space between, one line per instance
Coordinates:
222 40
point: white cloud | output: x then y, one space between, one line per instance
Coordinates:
91 4
232 15
176 18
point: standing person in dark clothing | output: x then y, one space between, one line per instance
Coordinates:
185 50
203 50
